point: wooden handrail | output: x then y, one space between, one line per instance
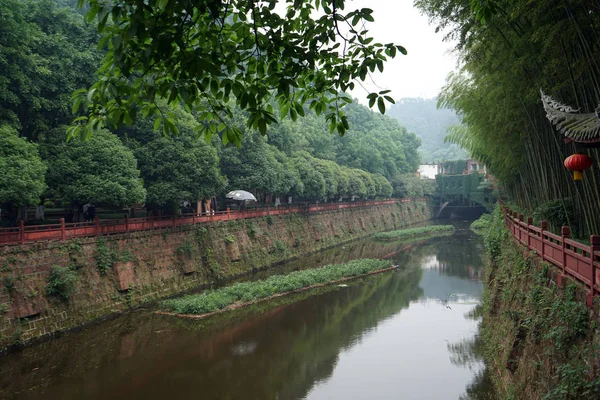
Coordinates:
576 260
62 231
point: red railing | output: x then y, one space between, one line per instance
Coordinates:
577 260
63 231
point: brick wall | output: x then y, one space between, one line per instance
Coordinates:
116 273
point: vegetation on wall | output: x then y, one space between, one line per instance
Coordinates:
539 340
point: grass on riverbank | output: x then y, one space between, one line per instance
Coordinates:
246 292
481 224
414 232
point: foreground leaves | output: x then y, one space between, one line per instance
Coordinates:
210 54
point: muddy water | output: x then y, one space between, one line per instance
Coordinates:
407 334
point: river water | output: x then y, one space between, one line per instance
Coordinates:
406 334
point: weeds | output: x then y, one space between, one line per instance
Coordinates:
62 282
412 232
250 291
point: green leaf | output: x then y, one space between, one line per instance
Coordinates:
381 105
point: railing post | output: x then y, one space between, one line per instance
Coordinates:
22 231
174 221
544 227
565 232
228 214
520 230
97 223
529 222
63 230
594 246
126 223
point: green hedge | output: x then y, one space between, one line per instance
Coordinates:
245 292
412 232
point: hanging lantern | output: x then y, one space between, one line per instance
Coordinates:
577 163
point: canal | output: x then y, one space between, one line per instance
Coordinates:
409 334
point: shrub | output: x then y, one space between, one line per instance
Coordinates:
62 282
482 223
49 204
229 239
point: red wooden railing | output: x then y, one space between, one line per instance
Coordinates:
35 233
577 260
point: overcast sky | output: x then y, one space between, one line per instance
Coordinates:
423 71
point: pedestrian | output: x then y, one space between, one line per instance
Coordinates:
92 212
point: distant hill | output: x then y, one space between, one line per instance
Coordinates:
422 117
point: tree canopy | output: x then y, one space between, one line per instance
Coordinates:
99 170
213 54
22 178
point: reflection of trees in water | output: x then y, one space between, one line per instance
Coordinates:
468 353
458 255
277 352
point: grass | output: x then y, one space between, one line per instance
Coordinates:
482 223
246 292
413 232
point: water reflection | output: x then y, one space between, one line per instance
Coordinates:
388 336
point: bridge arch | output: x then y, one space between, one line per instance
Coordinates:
461 209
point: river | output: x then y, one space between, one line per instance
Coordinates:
406 334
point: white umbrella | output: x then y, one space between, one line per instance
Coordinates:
240 195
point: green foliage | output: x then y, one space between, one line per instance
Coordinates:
47 53
482 223
185 250
412 186
99 170
558 213
22 177
9 283
412 232
4 308
509 50
496 233
105 256
174 168
211 55
245 292
574 383
62 282
279 247
270 220
229 239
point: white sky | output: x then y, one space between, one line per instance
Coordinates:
423 71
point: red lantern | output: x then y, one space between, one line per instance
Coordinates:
577 163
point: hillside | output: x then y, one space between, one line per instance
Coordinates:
422 117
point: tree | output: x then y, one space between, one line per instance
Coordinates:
315 187
174 168
206 53
46 53
252 167
99 170
22 178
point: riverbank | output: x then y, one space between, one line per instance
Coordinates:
95 278
541 342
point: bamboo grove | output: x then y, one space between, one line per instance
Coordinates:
508 51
